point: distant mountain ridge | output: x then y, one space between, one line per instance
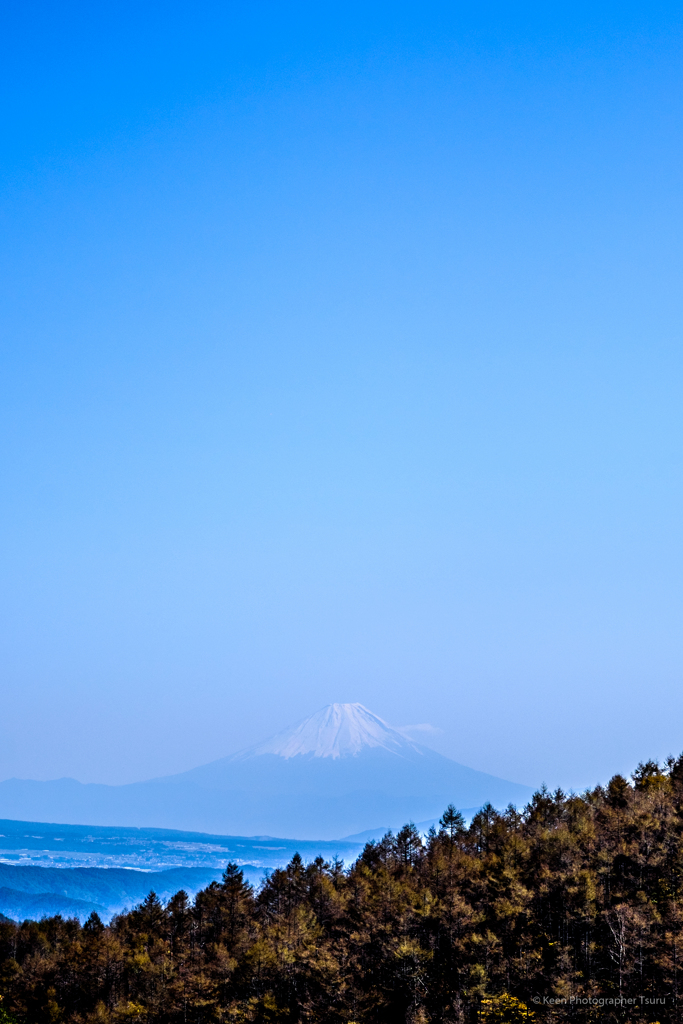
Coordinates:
31 844
339 772
35 892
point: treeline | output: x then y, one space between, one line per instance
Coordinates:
569 910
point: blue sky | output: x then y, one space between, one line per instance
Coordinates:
341 360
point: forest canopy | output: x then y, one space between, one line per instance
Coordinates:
570 909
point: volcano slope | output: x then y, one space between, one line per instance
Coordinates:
339 772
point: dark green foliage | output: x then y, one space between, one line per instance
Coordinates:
575 897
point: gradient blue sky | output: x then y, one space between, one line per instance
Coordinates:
341 361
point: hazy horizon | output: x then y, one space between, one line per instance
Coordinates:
341 361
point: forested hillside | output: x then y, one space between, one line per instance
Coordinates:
569 910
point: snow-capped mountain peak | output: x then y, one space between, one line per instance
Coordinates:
338 730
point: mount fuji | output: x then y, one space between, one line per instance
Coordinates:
339 772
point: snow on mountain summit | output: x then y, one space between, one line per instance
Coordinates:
338 730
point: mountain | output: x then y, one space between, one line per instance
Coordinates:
339 772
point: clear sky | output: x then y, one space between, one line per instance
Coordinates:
341 361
